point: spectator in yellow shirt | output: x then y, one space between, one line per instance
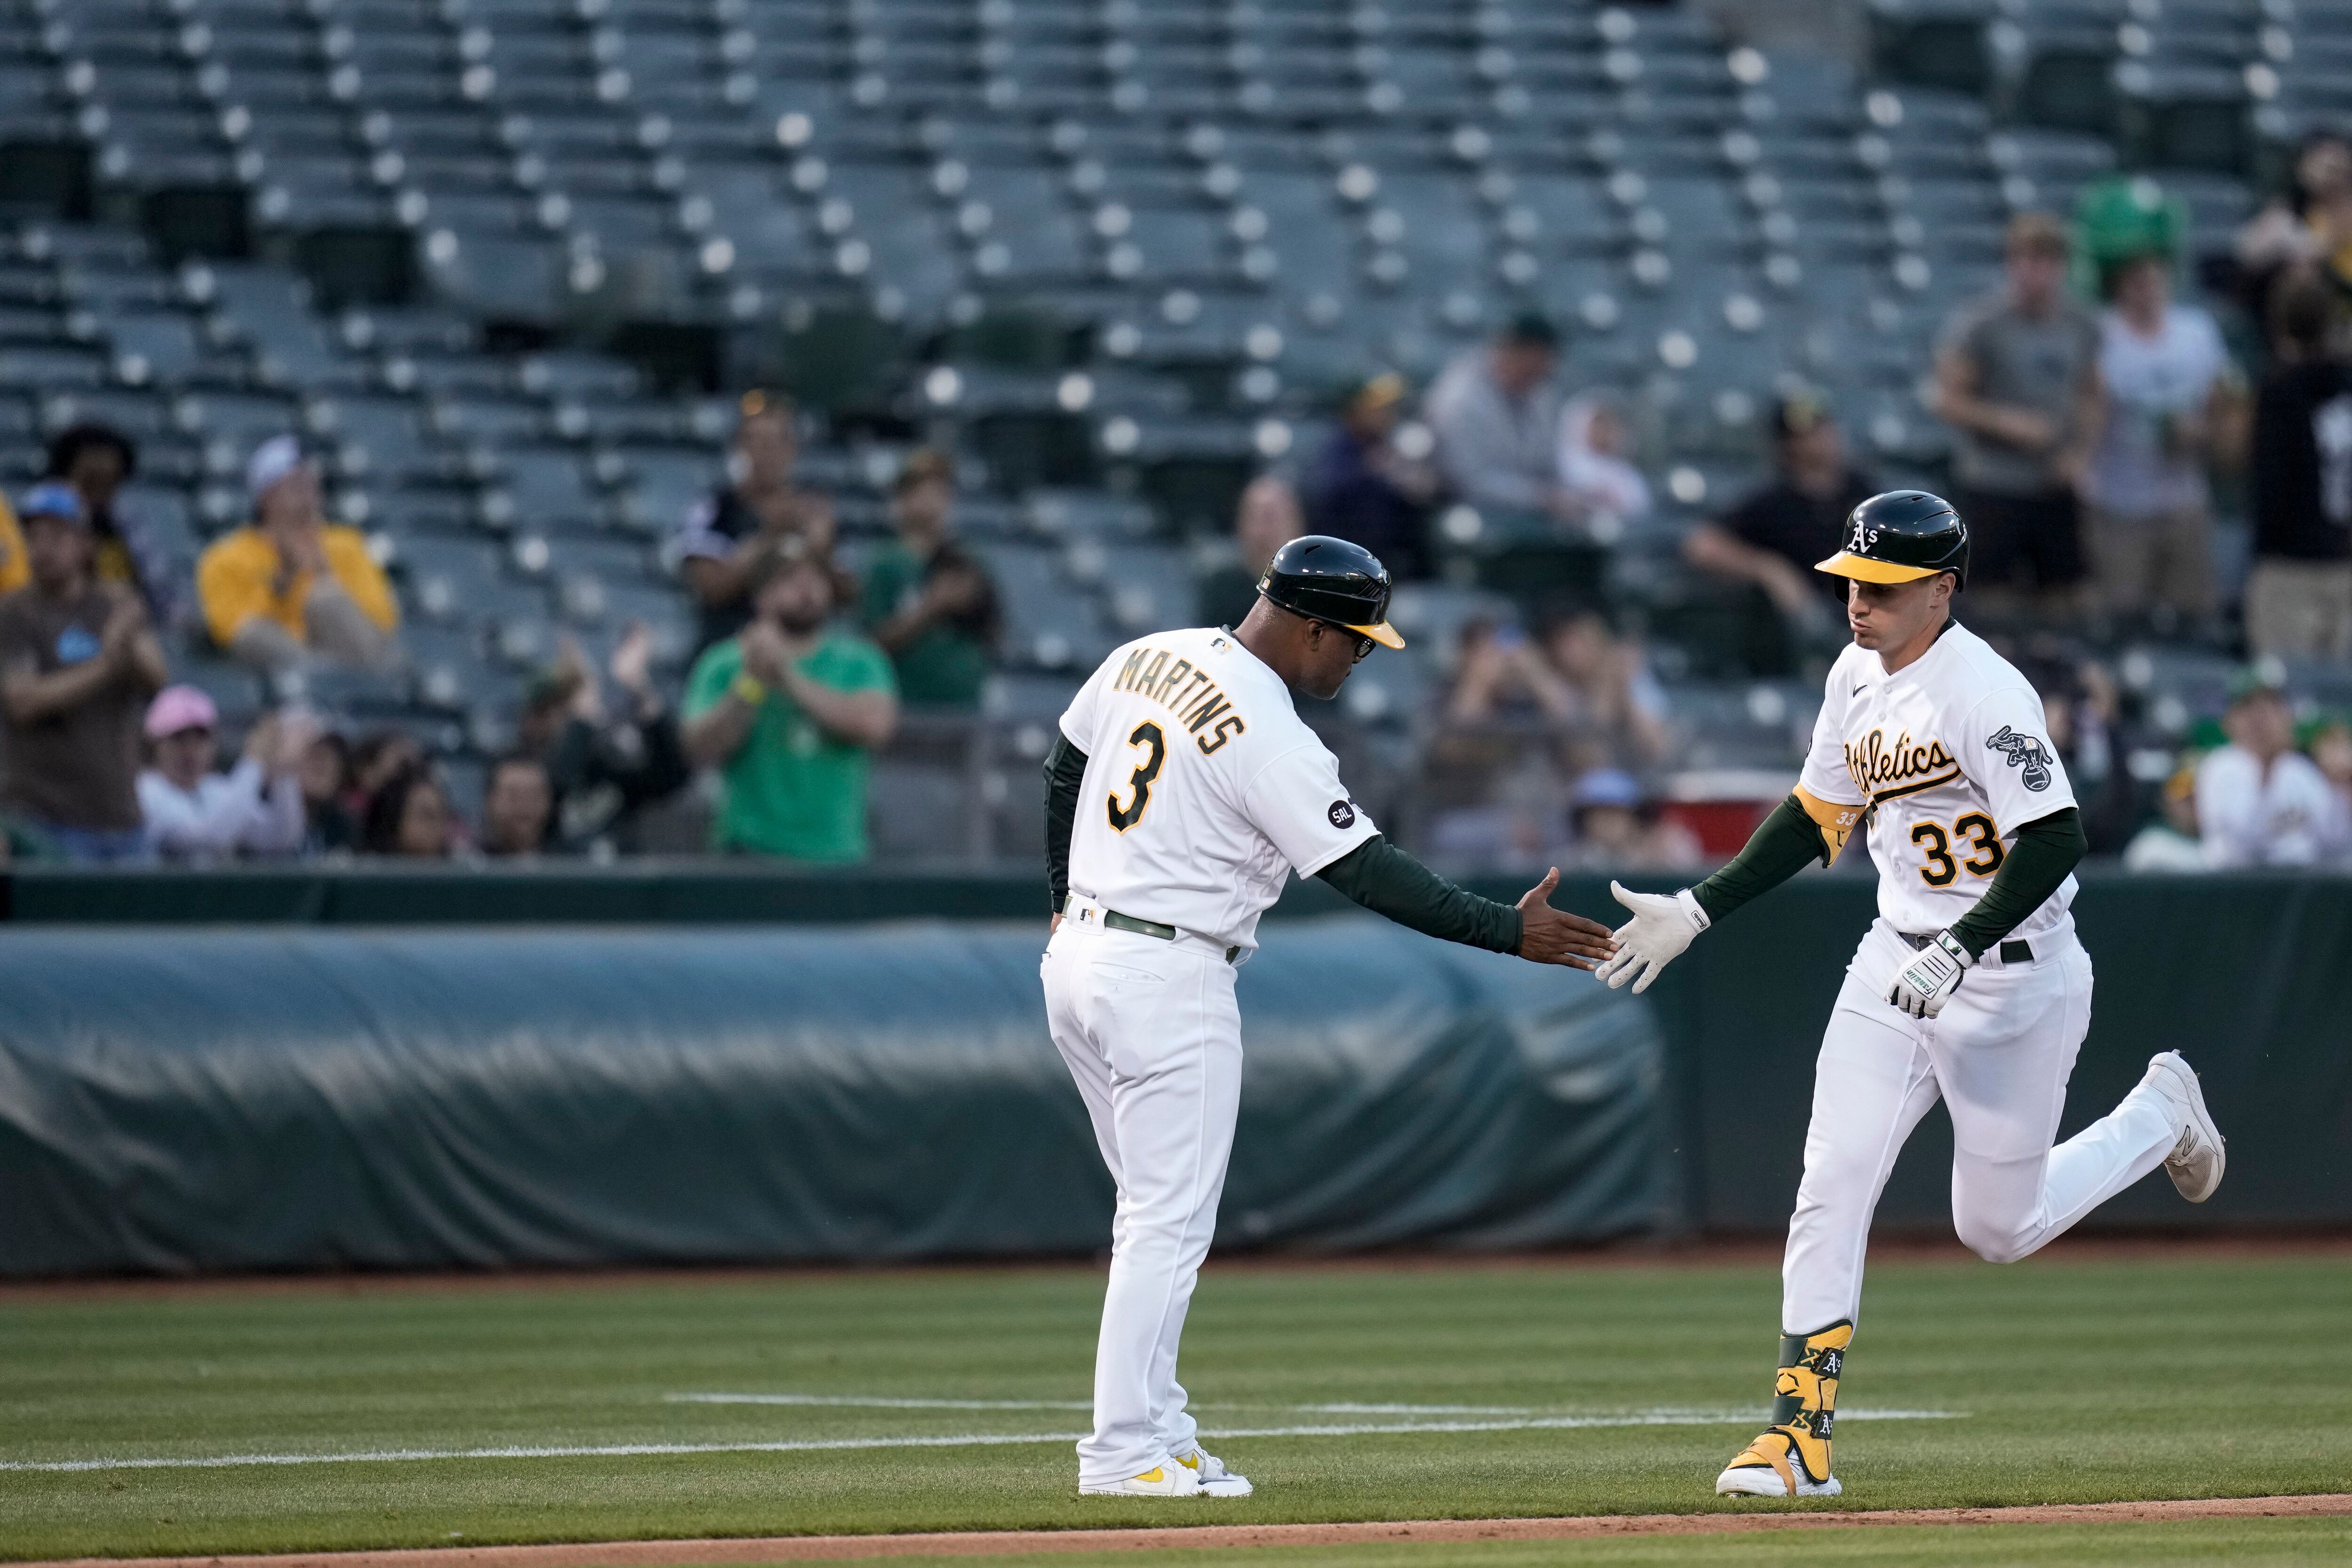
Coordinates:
15 571
290 587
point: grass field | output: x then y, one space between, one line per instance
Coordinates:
1498 1389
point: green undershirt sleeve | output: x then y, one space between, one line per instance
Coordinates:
1387 881
1783 844
1065 771
2046 854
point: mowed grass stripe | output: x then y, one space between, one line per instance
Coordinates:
954 1440
2145 1376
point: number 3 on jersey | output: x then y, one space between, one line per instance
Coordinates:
1942 867
1146 738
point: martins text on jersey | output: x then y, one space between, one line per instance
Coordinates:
1204 711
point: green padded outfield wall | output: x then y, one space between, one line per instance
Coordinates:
2244 975
175 1097
189 1099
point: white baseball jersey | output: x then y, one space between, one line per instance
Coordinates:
1203 787
1948 758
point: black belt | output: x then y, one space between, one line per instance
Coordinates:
1113 920
1117 922
2018 952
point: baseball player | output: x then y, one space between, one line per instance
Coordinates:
1183 791
1970 985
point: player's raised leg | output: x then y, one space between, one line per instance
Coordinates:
2004 1057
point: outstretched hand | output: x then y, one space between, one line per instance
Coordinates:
1663 925
1548 936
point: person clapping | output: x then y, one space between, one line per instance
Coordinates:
195 815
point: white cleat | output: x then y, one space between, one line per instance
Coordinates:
1762 1481
1215 1479
1772 1466
1169 1480
2196 1161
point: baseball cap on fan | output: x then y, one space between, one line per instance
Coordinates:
178 708
271 461
54 498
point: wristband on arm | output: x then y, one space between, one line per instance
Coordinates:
1835 820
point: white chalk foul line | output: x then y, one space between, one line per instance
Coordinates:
957 1440
896 1402
877 1402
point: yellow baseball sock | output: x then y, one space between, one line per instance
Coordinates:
1804 1405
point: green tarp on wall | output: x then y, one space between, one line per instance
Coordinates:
2246 975
182 1097
208 1099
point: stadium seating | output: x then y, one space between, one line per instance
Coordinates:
494 255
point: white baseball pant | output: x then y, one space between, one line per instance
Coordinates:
1154 1041
1999 1055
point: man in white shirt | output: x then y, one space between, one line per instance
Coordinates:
195 815
1184 790
2259 802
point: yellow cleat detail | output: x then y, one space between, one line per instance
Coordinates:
1795 1450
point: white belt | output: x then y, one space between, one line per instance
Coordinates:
1089 915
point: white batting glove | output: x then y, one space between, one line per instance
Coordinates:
1663 925
1924 985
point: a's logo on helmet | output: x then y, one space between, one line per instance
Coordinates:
2022 751
1866 537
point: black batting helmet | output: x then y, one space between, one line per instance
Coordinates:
1902 535
1330 579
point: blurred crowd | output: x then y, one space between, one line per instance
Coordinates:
2098 424
796 677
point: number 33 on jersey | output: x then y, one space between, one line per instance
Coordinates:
1945 759
1203 787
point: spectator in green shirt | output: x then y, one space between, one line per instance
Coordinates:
929 602
788 711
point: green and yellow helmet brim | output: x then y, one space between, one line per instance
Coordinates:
1384 633
1845 563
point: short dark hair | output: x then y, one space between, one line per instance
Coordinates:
2112 270
1800 412
68 445
776 563
924 466
1531 329
517 758
2037 234
2303 310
